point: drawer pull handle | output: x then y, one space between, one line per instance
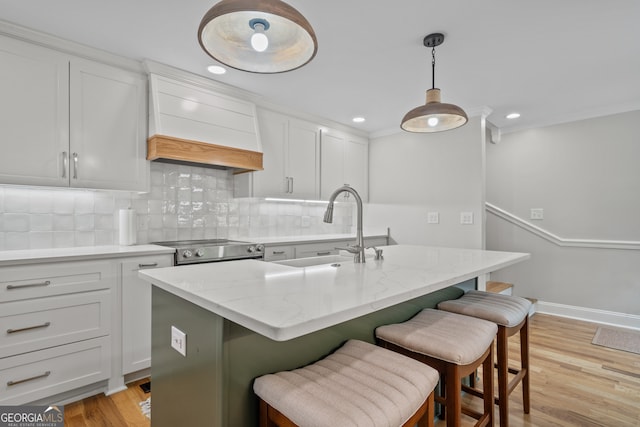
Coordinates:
278 252
151 264
28 328
29 285
323 253
46 374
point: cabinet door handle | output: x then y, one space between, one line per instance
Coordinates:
28 328
12 382
278 252
286 184
65 161
29 285
75 165
323 253
151 264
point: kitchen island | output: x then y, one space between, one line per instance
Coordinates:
246 318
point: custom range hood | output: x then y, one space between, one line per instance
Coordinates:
192 122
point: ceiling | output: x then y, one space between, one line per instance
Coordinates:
552 61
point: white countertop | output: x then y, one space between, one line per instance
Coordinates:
282 302
32 256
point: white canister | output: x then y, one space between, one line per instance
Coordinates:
127 226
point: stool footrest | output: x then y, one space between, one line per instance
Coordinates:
516 380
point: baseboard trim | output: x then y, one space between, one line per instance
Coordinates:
612 318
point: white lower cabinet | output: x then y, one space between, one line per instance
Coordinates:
57 322
46 322
274 252
37 375
136 312
277 253
319 249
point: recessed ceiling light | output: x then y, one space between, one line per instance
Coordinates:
358 119
512 115
216 69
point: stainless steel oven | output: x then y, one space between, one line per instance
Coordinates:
213 250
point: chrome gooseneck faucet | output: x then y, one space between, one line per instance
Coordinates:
358 249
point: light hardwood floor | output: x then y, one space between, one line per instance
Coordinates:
573 383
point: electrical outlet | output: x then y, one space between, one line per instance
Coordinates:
537 213
179 341
466 218
433 217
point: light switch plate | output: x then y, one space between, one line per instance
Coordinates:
466 218
537 213
179 341
433 217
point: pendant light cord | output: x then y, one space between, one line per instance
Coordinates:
433 68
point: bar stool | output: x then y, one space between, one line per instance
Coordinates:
359 384
511 314
453 344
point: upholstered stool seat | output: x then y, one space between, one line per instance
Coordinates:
359 384
511 314
453 344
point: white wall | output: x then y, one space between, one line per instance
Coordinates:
411 174
586 177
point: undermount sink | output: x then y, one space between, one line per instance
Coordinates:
316 260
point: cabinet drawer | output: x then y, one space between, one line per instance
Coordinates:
39 374
40 280
277 253
46 322
319 249
316 252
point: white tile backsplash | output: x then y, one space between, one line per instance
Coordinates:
184 202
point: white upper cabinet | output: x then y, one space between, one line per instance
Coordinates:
344 160
108 127
70 122
302 159
34 114
290 160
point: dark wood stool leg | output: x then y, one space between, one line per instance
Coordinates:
487 385
524 357
503 376
452 394
431 412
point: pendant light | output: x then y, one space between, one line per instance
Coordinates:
259 36
434 116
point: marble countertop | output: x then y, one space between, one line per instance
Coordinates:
32 256
283 302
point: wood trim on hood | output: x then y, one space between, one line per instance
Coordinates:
162 147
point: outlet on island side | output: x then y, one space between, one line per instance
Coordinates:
179 341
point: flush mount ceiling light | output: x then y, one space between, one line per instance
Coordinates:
434 116
259 36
